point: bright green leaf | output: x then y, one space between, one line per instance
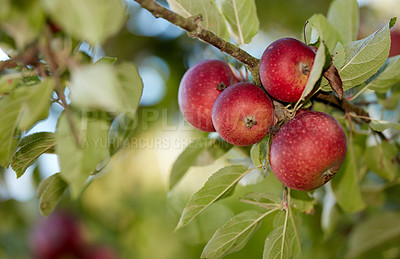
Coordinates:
345 184
20 110
302 201
191 154
234 235
242 19
50 191
316 71
373 233
263 200
220 185
259 151
21 20
344 16
120 131
77 162
387 76
326 31
382 160
277 244
380 125
30 148
116 89
89 20
364 57
212 18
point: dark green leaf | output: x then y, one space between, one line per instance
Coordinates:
50 191
345 184
30 148
217 186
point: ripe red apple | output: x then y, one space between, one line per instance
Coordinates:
285 67
308 150
59 236
199 87
395 42
242 114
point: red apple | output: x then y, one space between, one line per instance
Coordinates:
242 114
199 88
101 252
59 236
308 150
285 67
395 42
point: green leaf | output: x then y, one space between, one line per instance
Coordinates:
220 185
380 125
30 148
77 162
364 57
20 110
89 20
190 155
212 18
387 76
37 104
259 151
382 160
316 71
326 31
377 231
345 184
234 235
344 16
263 200
50 191
121 130
277 244
115 89
302 201
21 20
107 60
283 241
242 19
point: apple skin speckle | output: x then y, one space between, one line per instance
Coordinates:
308 150
285 67
198 91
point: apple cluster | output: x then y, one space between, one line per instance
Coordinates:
307 150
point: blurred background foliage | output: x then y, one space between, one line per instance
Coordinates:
128 207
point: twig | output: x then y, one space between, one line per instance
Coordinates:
51 60
192 26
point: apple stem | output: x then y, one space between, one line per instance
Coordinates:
249 121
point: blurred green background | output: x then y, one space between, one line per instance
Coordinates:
128 207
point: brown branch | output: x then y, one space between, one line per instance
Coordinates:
195 30
59 89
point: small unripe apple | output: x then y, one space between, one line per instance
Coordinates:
285 67
199 87
242 114
308 150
